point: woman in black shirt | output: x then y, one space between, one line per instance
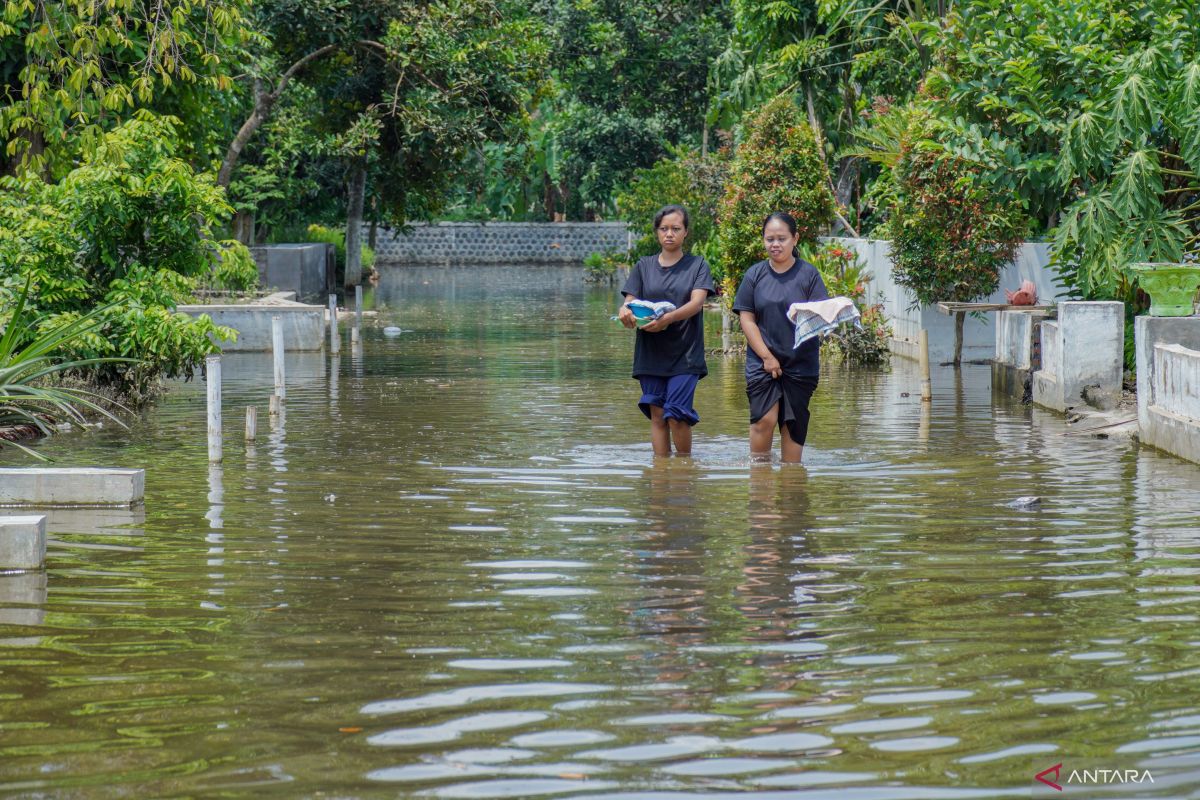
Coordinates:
668 356
780 379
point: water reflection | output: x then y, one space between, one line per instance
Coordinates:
456 571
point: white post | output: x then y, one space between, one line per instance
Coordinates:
251 423
354 334
275 406
923 355
726 329
212 367
278 352
335 341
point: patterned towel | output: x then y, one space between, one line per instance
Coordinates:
820 317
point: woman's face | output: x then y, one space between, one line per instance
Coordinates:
670 232
778 240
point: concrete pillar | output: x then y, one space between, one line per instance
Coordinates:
1082 356
1168 384
22 542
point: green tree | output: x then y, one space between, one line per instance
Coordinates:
951 230
130 229
779 167
73 69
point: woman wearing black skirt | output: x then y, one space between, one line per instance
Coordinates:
780 379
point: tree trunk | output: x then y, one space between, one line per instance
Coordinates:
357 185
264 101
243 227
960 317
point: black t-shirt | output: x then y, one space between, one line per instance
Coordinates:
678 349
769 294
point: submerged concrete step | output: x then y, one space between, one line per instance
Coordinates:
22 542
71 486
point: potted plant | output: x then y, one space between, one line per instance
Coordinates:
1172 287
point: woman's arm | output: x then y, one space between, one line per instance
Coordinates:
689 309
755 340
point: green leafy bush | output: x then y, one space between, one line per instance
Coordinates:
602 267
779 167
845 275
688 179
951 231
131 229
337 238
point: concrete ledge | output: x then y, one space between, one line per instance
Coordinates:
81 486
1018 353
22 542
1082 356
303 325
1168 376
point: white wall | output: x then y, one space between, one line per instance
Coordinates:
979 338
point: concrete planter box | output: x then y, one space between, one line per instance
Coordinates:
1082 356
1018 352
22 542
1172 287
303 325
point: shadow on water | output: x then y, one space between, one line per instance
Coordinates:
452 568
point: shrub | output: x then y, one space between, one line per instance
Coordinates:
779 167
602 267
687 178
845 275
951 231
337 238
130 228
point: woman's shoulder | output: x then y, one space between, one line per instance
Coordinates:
755 270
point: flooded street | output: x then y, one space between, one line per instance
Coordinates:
454 571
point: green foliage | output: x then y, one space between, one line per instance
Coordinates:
31 360
337 238
129 229
602 267
685 178
1088 111
845 275
74 68
951 231
778 167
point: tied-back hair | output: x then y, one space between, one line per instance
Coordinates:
786 219
674 208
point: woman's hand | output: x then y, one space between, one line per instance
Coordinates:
660 323
771 365
626 317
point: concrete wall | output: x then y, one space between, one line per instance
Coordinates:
306 269
1018 352
979 338
303 326
1168 376
499 242
1082 356
44 487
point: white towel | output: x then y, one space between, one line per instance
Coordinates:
818 317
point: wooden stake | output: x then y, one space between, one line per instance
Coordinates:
251 423
354 334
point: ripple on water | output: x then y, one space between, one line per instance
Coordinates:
457 698
498 664
452 730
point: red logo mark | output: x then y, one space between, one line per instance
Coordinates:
1041 776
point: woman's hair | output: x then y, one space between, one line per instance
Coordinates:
674 209
786 219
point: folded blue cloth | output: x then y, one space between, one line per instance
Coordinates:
644 312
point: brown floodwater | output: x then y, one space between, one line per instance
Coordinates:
454 570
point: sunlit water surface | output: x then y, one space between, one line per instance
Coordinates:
454 571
